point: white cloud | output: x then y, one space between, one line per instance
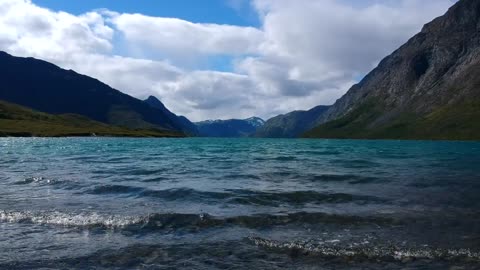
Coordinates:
175 37
306 52
30 30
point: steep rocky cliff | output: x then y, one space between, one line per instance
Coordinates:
428 89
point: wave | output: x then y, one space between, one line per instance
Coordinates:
285 158
319 153
355 163
242 176
230 196
46 181
369 252
160 221
235 254
143 171
114 189
39 180
183 194
350 178
250 197
67 219
298 197
155 179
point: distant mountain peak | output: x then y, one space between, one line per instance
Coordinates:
255 121
153 98
155 102
230 127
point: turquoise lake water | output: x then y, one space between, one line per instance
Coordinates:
199 203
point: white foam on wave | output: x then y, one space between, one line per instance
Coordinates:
37 180
370 252
67 219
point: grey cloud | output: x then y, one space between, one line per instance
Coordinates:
38 24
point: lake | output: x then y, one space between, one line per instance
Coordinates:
204 203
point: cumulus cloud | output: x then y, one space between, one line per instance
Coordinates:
30 30
304 54
171 35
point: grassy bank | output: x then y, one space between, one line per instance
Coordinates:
20 121
458 122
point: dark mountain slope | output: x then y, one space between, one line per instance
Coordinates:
16 120
292 124
185 125
230 128
45 87
427 89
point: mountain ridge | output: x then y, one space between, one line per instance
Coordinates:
45 87
292 124
181 121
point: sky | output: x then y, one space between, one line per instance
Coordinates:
217 59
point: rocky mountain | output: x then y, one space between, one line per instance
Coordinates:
47 88
181 121
292 124
229 128
427 89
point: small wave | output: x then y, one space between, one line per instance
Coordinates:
92 220
66 219
350 178
144 171
369 252
183 194
155 179
250 197
354 163
298 197
117 159
285 158
242 176
319 153
161 221
38 180
114 189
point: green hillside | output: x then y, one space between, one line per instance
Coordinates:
454 122
16 120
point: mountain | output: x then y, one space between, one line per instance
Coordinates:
427 89
16 120
229 128
45 87
182 122
292 124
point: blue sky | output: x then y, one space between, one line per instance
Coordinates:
229 12
236 12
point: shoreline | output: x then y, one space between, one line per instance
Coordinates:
87 135
175 136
